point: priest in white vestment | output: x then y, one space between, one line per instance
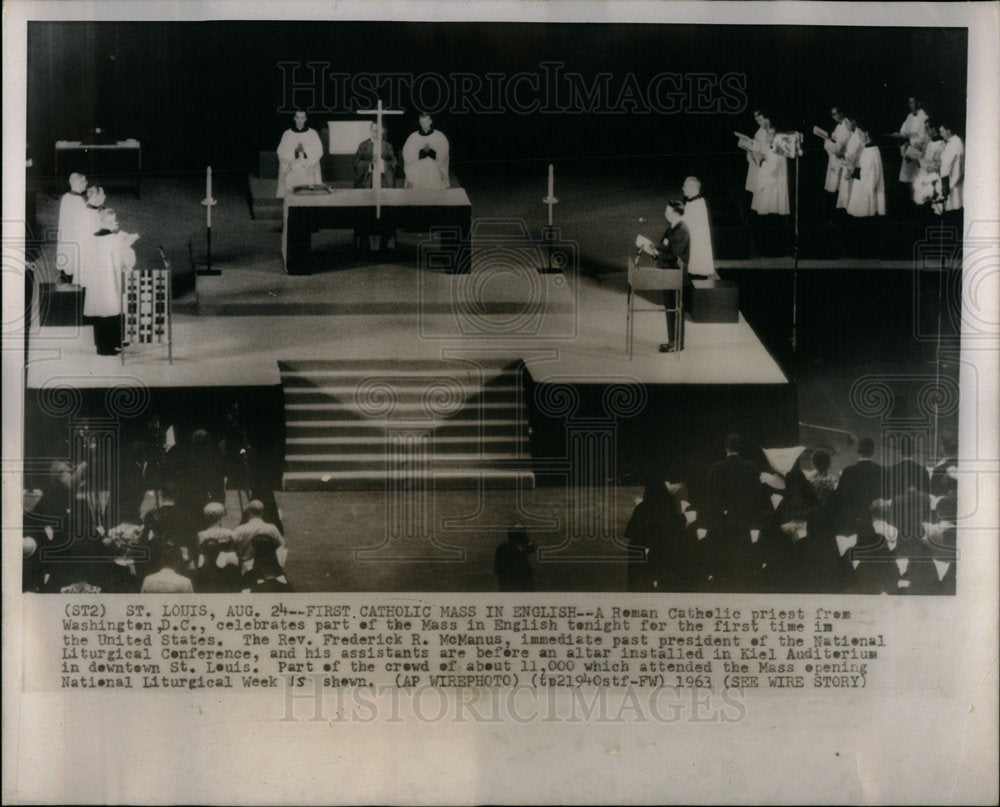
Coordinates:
914 132
868 191
112 255
761 141
849 164
702 260
927 184
426 156
73 220
90 223
771 195
952 168
834 148
299 153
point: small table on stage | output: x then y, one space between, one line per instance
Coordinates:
105 162
345 209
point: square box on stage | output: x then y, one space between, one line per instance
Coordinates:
717 301
61 304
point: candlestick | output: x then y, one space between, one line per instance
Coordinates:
551 180
209 202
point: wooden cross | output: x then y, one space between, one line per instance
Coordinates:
377 167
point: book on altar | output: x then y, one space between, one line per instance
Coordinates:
821 133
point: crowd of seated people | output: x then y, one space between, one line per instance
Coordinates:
165 538
745 526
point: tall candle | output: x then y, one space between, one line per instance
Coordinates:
551 180
208 195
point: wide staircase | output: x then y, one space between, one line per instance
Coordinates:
357 424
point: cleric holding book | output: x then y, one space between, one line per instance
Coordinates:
425 156
299 153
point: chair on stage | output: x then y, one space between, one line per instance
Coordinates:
652 278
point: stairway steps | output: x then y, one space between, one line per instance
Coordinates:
400 367
451 480
470 426
415 399
323 444
332 442
346 386
417 410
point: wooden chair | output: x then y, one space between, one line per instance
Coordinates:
652 278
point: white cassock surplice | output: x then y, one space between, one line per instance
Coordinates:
112 255
73 222
953 169
771 196
292 169
86 248
927 184
914 129
761 142
835 149
868 192
702 261
426 171
852 155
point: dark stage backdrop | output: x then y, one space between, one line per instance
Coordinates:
210 92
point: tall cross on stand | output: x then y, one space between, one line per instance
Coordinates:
377 166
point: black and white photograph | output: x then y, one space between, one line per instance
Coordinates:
648 304
579 322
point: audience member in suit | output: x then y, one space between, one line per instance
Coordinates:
215 576
655 534
512 564
870 567
169 579
941 481
645 530
266 575
860 484
737 504
908 474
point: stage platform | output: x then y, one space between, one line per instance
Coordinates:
242 323
240 337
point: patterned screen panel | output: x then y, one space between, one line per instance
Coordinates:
146 305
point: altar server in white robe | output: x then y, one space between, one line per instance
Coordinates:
849 163
90 223
761 140
771 196
73 220
299 153
113 254
426 156
868 191
834 148
927 184
914 132
952 166
702 261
